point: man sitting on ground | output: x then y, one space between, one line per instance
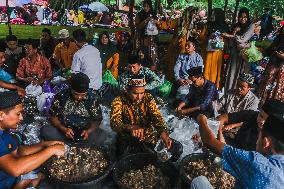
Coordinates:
200 97
17 161
65 50
136 115
184 62
246 123
14 54
87 60
4 76
75 114
260 169
134 68
34 68
241 98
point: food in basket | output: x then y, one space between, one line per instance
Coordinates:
214 173
149 177
79 165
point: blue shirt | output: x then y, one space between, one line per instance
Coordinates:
202 96
5 76
7 146
184 63
253 170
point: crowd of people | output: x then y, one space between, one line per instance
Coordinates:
43 14
127 78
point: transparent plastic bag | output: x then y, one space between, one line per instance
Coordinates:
182 91
108 78
162 152
33 90
165 89
151 28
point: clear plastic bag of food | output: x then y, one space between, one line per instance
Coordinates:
162 152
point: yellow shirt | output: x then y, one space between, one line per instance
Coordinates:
65 54
145 114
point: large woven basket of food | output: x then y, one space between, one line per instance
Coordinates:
145 171
204 164
82 165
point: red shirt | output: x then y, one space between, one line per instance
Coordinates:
41 68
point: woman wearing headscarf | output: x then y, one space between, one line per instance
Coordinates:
109 54
242 31
145 59
214 58
142 19
272 81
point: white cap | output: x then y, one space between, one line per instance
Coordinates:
63 34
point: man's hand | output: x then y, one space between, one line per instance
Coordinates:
180 112
21 92
51 143
69 133
166 139
138 132
182 82
85 134
227 127
226 35
280 54
57 150
187 82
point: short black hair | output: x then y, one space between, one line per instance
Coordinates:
11 38
46 30
33 42
80 35
133 59
7 110
277 145
192 40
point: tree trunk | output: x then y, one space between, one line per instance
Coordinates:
8 15
210 5
226 5
69 5
131 16
236 11
158 7
119 4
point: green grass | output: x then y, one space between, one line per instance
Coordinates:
27 31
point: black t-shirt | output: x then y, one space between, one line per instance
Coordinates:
247 135
13 60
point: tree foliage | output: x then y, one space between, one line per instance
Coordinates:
255 6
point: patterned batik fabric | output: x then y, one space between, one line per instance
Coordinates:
144 114
41 68
152 80
72 113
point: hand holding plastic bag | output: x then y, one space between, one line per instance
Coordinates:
33 90
151 28
252 54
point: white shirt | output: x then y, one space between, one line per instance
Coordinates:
88 61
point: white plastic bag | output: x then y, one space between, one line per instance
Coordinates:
162 153
41 100
33 90
182 91
151 28
58 80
